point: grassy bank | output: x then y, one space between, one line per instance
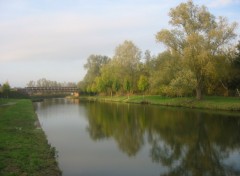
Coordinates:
24 149
216 103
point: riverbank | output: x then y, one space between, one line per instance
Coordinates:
24 149
214 103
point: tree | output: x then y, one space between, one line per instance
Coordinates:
6 89
168 78
165 69
43 82
196 38
93 66
106 78
148 66
115 85
126 62
183 83
127 86
31 84
110 83
143 84
235 68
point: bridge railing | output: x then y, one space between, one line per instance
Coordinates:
51 89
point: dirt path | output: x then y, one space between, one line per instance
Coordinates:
8 104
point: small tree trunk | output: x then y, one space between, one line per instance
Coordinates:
238 92
226 89
199 88
199 92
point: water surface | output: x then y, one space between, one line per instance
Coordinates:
111 139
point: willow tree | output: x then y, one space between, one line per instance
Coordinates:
197 37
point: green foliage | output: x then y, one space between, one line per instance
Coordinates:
93 66
199 57
43 82
197 38
127 85
184 83
107 78
5 89
126 62
163 71
234 82
116 85
143 83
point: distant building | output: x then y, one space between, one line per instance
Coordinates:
76 94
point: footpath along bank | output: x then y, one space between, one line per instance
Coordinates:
24 149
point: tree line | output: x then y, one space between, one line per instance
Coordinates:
5 90
43 82
201 57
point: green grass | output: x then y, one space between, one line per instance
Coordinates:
24 149
216 103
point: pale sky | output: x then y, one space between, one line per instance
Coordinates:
52 39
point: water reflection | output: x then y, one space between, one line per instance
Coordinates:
117 121
187 142
105 139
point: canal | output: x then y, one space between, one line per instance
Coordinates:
112 139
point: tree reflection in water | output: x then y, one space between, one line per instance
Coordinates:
186 142
117 122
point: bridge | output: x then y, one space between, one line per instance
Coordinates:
37 90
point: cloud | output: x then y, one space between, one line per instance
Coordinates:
29 38
66 35
37 31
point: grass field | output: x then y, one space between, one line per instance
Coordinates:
216 103
24 149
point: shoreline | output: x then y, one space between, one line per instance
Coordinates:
208 103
